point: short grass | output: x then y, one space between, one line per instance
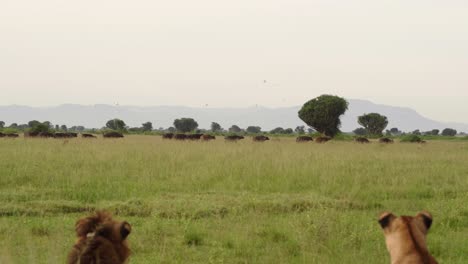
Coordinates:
220 202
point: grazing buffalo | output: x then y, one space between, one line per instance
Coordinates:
88 136
113 134
180 137
46 135
72 134
31 134
194 136
12 135
260 138
361 140
207 137
386 140
2 135
61 135
233 138
168 135
304 139
322 139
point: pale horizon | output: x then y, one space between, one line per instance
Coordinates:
236 54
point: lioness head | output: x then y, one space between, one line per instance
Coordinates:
405 237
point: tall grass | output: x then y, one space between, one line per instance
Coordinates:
222 202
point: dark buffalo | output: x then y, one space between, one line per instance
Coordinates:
386 140
260 138
72 134
304 139
61 135
180 137
2 135
361 140
207 137
168 135
233 138
31 134
12 135
45 135
322 139
194 136
113 134
88 136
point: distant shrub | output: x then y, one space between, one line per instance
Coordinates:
411 138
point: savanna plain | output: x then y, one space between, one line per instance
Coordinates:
221 202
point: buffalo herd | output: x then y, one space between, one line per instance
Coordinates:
192 137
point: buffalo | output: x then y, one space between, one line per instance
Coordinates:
260 138
168 135
61 135
12 135
113 134
207 137
180 137
2 135
31 134
322 139
88 136
45 135
233 138
304 139
194 136
386 140
361 140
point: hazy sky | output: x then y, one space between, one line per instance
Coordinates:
218 53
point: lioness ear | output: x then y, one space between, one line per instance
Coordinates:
426 217
386 218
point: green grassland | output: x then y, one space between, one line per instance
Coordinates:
221 202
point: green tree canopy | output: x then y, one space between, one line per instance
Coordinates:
116 124
254 129
374 123
215 127
148 126
2 124
235 129
323 113
33 123
300 130
185 124
449 132
360 131
278 130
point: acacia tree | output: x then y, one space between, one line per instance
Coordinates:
215 127
185 124
2 124
116 124
235 129
449 132
360 131
374 123
253 129
300 130
323 113
148 126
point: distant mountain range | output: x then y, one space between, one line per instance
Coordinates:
95 116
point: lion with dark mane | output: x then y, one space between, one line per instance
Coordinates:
101 240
